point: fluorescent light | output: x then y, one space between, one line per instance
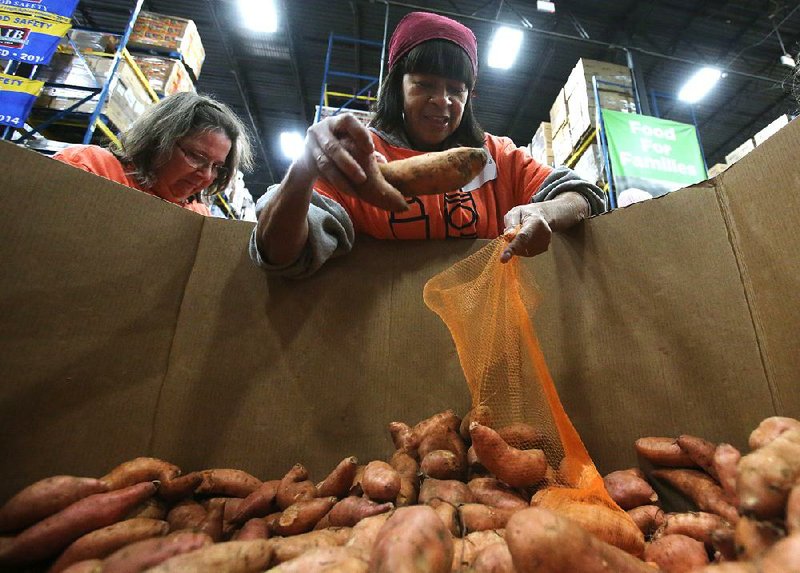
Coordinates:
699 85
292 144
259 15
788 60
504 48
548 7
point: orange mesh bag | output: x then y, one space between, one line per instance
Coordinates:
487 307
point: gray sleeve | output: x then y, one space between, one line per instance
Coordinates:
565 179
330 234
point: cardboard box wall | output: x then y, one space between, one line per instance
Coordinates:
131 327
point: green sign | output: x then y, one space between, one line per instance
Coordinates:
652 154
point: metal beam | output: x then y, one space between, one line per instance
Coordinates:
294 62
241 85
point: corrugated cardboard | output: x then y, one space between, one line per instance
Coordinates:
558 112
133 327
745 148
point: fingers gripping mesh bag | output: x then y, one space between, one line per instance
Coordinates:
486 305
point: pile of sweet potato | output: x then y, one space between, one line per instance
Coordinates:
454 496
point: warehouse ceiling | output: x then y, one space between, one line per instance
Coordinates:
274 81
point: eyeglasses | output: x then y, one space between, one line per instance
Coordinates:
200 162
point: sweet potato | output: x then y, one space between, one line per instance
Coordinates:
676 553
451 491
768 474
729 567
481 414
255 528
50 536
443 437
517 468
793 511
628 490
474 464
443 464
44 498
467 549
415 540
227 483
380 482
404 438
448 513
258 504
338 482
102 542
232 557
186 514
88 566
351 510
375 189
700 451
408 468
663 452
700 488
724 544
769 429
648 518
143 555
490 491
295 486
439 422
542 541
435 172
494 558
783 557
698 525
725 461
480 517
364 533
140 470
324 559
286 548
754 537
521 436
180 487
609 524
302 516
213 522
152 508
356 488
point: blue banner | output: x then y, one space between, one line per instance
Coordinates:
16 99
29 39
58 9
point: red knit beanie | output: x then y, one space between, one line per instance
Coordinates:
418 27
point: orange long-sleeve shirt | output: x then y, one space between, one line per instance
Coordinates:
102 162
510 178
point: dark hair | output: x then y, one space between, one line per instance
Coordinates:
437 57
149 142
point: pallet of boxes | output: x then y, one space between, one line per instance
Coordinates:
168 50
573 116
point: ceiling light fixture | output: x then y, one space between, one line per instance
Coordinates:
292 144
505 47
699 85
788 60
259 15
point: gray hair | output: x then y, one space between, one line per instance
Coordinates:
149 142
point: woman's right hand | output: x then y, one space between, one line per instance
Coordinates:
332 147
340 150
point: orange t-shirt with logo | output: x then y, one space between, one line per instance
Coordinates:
102 162
510 178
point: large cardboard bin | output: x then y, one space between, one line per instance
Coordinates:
131 327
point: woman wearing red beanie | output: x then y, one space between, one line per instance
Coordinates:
424 105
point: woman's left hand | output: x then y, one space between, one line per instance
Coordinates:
527 230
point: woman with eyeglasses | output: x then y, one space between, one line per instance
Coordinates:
185 144
425 104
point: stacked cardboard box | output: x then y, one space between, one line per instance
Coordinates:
590 165
542 144
126 101
771 129
746 147
169 34
574 113
166 75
